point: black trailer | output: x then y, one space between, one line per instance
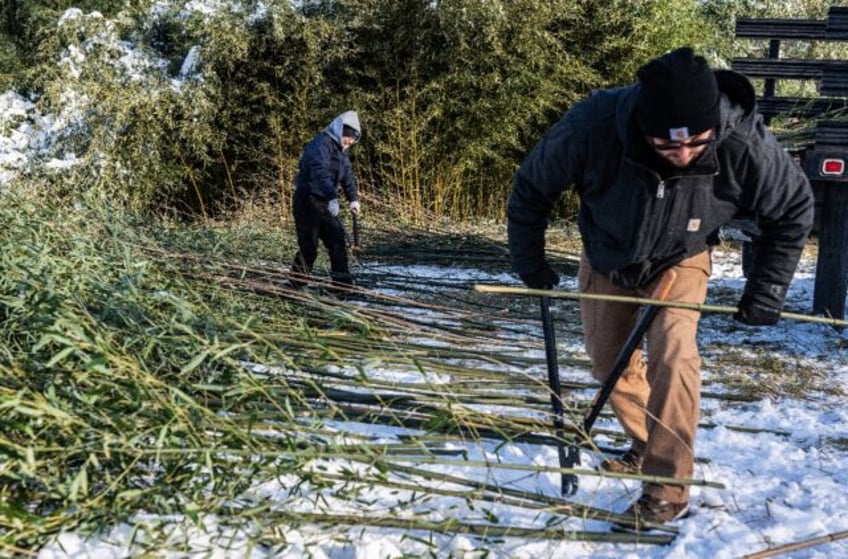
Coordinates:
824 157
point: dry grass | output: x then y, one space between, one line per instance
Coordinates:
764 373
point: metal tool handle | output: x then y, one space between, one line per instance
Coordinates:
356 243
630 344
569 456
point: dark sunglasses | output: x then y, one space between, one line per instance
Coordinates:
677 145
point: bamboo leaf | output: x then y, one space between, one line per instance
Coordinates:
79 486
195 362
61 356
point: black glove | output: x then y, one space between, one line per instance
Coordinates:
754 312
543 278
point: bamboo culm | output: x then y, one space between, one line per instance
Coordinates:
557 294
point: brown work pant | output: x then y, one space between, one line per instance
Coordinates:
657 403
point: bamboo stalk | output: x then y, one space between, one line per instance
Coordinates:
526 291
556 505
370 457
17 551
780 550
453 526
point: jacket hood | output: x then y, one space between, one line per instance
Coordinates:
349 118
739 100
738 103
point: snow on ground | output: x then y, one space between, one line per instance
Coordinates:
784 485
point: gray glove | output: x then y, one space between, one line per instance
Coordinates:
333 207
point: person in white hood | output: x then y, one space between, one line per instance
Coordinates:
324 167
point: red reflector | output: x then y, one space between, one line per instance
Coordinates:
833 166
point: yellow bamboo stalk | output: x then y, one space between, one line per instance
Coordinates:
17 551
229 175
797 545
558 294
194 184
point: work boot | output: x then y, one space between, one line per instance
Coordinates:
298 277
628 463
293 283
341 286
342 281
648 510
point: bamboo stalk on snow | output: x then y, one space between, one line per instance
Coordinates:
558 294
454 526
812 542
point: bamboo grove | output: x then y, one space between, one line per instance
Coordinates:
212 109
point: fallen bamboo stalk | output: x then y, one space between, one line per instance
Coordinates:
453 526
780 550
559 294
520 383
365 455
483 491
536 500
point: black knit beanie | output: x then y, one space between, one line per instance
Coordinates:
678 96
351 132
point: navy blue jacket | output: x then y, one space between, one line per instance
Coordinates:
324 165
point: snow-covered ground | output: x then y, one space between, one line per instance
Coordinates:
784 479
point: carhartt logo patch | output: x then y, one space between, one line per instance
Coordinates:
678 133
693 225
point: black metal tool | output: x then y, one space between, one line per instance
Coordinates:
352 244
646 317
356 241
568 454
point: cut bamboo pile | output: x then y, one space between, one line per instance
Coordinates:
146 369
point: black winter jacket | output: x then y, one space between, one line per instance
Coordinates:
638 217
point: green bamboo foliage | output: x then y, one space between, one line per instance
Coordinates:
107 363
213 109
452 94
162 369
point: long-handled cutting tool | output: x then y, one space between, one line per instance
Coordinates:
569 455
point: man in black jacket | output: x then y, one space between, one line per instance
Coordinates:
324 166
659 166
